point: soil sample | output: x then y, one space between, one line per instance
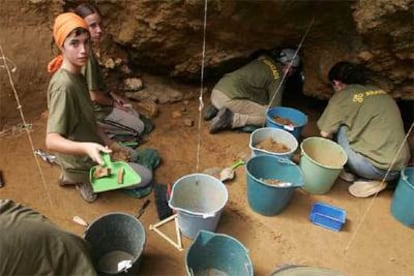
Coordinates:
283 121
271 145
276 182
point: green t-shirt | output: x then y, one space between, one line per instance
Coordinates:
71 115
257 81
374 125
95 80
31 245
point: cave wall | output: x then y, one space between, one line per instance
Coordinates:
166 37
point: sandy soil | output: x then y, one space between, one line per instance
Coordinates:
372 241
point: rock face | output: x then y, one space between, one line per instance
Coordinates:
166 38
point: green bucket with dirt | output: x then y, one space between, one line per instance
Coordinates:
321 162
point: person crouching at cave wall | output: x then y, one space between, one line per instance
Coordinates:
240 98
367 124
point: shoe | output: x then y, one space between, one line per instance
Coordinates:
366 188
223 120
249 128
63 182
347 176
210 112
86 192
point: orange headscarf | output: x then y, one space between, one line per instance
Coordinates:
64 24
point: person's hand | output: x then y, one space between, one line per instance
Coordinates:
93 150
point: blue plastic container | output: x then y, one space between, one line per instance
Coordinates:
199 200
402 205
327 216
298 118
217 254
266 199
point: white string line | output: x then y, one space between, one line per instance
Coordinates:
200 98
290 64
19 107
375 196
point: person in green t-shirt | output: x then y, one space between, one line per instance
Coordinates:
368 125
241 97
113 112
72 131
30 244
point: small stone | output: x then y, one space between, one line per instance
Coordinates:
109 63
176 114
188 122
133 84
365 55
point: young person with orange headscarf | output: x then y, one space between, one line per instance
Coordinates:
114 112
72 131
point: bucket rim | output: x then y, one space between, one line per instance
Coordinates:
318 163
404 177
272 129
279 159
204 215
306 119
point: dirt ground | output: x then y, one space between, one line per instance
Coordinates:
372 241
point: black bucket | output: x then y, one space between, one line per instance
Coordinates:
116 239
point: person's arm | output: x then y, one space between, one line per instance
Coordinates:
56 142
101 98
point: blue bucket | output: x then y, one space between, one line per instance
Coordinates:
199 200
298 118
217 254
267 199
402 205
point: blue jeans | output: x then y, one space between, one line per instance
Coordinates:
360 165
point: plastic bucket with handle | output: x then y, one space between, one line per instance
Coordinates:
321 162
217 254
270 199
402 205
199 200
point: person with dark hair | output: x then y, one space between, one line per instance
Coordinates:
30 244
114 112
241 97
368 125
72 131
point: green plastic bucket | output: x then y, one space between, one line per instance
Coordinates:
321 162
402 205
217 254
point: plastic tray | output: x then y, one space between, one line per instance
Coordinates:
327 216
111 182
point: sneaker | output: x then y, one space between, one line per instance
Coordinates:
210 112
347 176
63 181
223 120
366 188
86 192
